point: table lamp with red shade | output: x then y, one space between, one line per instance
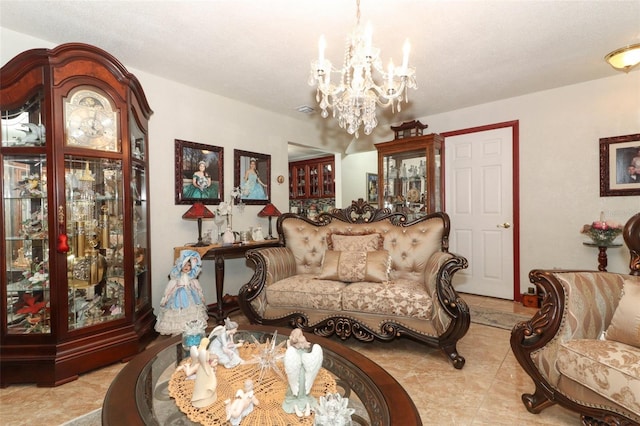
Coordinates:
198 211
269 211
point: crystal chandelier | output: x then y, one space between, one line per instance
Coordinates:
353 99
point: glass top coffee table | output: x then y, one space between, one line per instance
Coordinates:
139 395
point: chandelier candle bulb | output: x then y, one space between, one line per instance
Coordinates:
405 56
322 44
368 36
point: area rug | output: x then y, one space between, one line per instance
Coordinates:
493 318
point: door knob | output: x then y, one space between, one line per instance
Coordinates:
505 225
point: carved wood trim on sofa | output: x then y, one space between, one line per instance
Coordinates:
449 309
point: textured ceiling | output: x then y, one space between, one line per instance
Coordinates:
257 51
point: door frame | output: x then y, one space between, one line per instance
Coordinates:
515 132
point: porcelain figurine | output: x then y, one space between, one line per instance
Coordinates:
223 346
228 237
204 389
242 404
183 299
21 261
190 367
301 366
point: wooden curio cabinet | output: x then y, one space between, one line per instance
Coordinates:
410 177
312 178
75 292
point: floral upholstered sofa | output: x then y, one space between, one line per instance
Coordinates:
582 348
362 272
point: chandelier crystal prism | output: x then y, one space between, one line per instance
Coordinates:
355 97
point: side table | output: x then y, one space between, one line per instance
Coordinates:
602 253
218 253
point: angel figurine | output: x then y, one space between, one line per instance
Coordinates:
183 299
223 345
301 366
190 367
242 404
204 389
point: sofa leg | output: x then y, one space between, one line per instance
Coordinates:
536 402
452 353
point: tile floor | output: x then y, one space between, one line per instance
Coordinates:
485 392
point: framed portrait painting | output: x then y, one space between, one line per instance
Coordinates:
199 173
372 188
252 175
620 165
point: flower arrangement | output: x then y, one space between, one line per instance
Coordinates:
235 194
226 209
602 232
36 313
223 209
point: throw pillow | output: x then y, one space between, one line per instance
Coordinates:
625 324
355 242
356 266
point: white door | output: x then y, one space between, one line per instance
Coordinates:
479 201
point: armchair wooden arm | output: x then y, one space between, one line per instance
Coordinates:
272 264
576 305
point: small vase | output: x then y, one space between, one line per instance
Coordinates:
604 237
257 234
228 237
193 333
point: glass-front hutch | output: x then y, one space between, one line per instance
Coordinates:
410 171
76 285
312 178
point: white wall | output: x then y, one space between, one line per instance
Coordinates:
559 165
354 170
181 112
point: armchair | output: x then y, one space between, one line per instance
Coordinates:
582 348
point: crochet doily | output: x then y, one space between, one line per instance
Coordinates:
270 393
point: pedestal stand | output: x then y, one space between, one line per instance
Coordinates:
602 253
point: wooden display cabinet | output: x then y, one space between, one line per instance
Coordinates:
75 293
410 170
312 178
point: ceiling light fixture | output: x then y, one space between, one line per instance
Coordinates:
353 99
625 58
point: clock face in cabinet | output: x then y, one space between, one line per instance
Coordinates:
91 121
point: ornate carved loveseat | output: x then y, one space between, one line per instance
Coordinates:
582 348
362 272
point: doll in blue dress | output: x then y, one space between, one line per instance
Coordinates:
183 299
